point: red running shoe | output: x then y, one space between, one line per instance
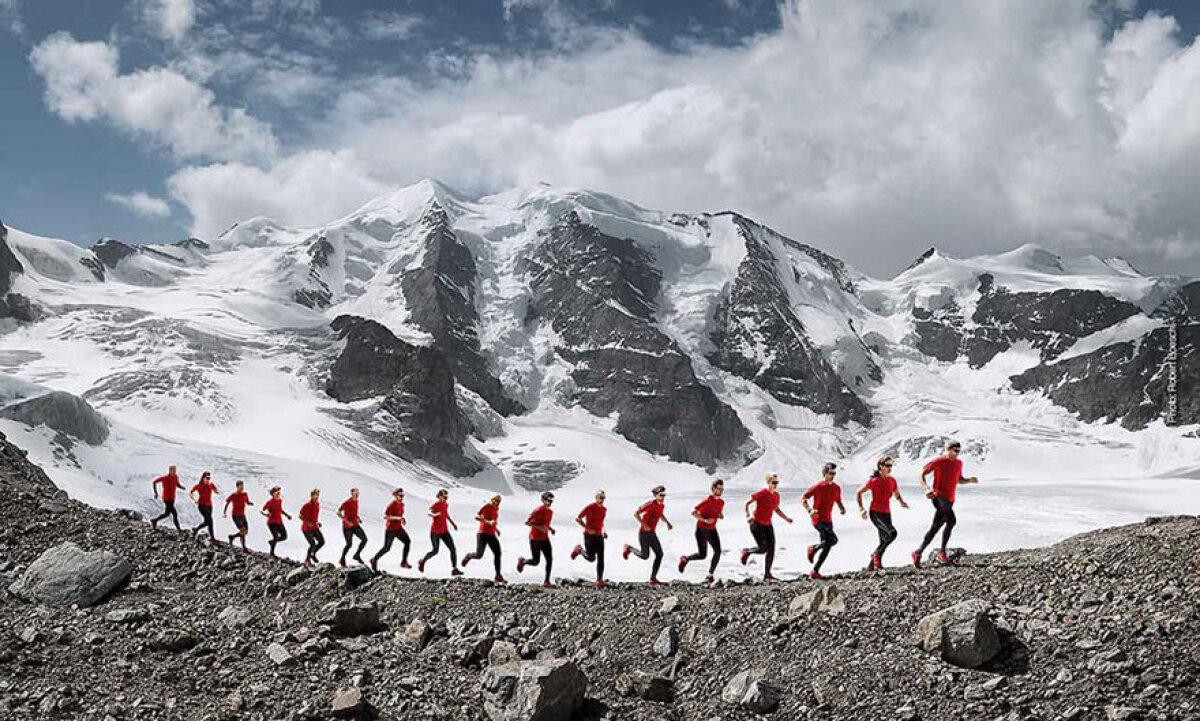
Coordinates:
626 551
745 555
342 563
916 559
520 564
812 551
768 577
654 582
456 572
375 565
817 576
421 566
682 563
405 564
465 560
547 584
708 578
876 562
499 579
575 552
942 557
601 584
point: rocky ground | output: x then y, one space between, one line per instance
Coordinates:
1101 626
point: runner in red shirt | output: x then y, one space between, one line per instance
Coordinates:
273 510
766 507
540 531
824 496
202 494
487 536
351 527
648 515
591 520
883 488
239 500
394 522
707 513
170 483
310 525
947 474
439 533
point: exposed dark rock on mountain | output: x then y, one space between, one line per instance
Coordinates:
757 337
1050 322
544 475
110 252
922 258
440 292
62 412
598 293
318 295
193 244
13 305
417 386
1123 382
1103 625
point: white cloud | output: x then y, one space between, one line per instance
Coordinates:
10 17
306 189
141 204
872 130
389 25
171 19
83 83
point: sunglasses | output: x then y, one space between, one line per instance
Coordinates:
886 465
661 495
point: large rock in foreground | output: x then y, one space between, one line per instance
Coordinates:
67 414
534 691
68 575
963 634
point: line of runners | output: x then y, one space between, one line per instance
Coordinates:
760 510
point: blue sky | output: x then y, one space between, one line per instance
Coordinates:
871 131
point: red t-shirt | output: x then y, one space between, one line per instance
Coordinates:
441 512
309 513
169 483
540 517
946 475
593 519
882 490
239 500
824 496
349 509
274 509
204 491
652 512
765 503
710 507
489 513
395 508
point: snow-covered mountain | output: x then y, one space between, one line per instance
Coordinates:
555 338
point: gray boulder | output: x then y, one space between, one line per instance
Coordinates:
667 642
235 617
646 686
67 414
827 599
751 690
418 633
68 575
280 655
354 619
550 690
355 576
963 634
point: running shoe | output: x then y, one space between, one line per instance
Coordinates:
768 577
499 579
375 565
626 551
520 564
812 551
745 555
154 523
654 582
817 576
682 563
466 559
547 584
421 566
405 564
916 559
575 552
942 557
708 578
342 563
456 572
601 584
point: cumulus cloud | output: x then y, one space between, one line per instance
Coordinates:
83 83
171 19
141 204
305 189
872 130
